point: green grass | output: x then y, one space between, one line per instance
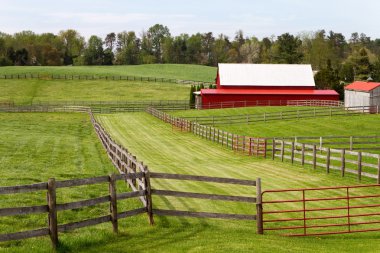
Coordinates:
368 124
36 147
172 71
167 150
237 111
28 142
28 91
362 125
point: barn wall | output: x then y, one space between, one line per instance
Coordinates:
356 98
375 96
212 98
225 87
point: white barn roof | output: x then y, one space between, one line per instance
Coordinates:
279 75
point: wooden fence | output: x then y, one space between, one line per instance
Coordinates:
95 109
329 103
248 145
51 208
345 161
338 142
283 115
100 77
138 177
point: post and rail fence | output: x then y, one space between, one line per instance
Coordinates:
41 76
359 163
138 178
283 115
248 145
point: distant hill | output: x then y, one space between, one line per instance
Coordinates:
172 71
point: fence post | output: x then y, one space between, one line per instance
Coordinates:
292 154
359 165
328 161
314 156
52 217
343 161
378 169
282 150
148 188
259 208
133 167
303 154
113 202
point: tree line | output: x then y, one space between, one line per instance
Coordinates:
335 57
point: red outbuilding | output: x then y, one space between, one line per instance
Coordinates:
265 84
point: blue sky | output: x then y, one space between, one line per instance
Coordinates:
255 18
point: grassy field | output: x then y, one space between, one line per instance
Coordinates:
35 147
167 150
172 71
35 91
236 111
28 140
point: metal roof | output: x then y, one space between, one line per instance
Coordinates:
265 75
266 92
362 86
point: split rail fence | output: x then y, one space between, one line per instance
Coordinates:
339 142
245 144
126 163
51 208
97 108
353 162
283 115
138 177
100 77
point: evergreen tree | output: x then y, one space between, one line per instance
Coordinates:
192 95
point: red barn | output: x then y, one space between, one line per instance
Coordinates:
271 84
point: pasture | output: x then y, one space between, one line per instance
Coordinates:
38 146
49 91
172 71
168 150
321 126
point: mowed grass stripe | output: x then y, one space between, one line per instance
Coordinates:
354 125
155 143
172 151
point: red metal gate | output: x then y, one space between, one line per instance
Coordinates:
322 211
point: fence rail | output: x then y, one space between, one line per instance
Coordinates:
338 142
137 176
127 106
345 161
248 145
101 77
283 115
51 208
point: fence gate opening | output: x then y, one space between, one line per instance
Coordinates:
322 211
